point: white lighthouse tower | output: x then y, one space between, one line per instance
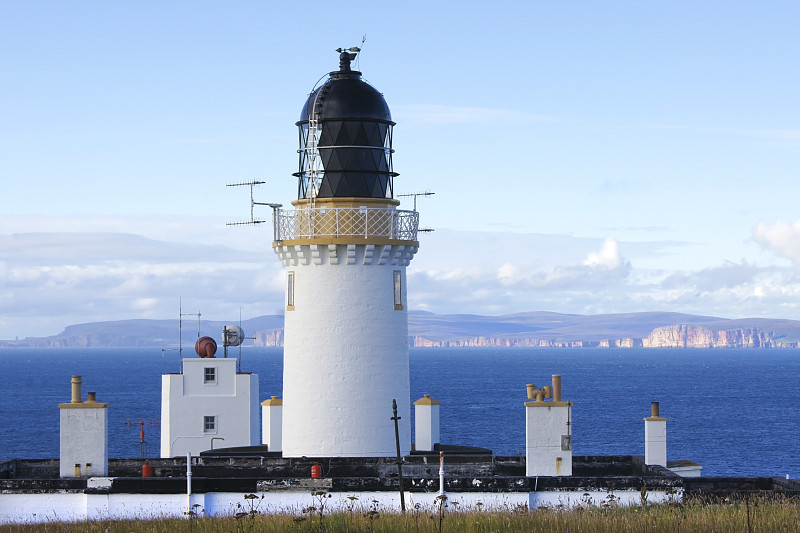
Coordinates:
345 247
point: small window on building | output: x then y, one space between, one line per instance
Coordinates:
209 424
398 290
210 375
290 291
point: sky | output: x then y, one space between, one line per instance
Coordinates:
586 157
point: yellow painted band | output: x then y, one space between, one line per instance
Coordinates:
84 405
548 404
273 401
427 401
344 240
350 201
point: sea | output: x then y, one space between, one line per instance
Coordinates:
733 411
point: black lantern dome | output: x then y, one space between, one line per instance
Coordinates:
345 138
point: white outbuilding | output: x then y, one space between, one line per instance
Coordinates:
208 404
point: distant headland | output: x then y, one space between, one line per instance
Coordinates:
533 329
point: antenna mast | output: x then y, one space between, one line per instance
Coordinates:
181 314
142 442
253 220
415 195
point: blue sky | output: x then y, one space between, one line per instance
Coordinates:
587 157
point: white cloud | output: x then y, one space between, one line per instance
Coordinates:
512 273
507 273
782 238
184 230
144 303
712 279
608 256
52 280
751 292
600 270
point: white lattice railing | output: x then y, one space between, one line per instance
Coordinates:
345 222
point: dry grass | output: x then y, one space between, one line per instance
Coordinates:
768 514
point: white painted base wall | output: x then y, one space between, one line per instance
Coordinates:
582 498
71 507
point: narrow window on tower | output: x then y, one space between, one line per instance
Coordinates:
398 290
210 375
209 424
290 291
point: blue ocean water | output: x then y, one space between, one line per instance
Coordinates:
736 412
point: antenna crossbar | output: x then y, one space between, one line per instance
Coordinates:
245 222
415 195
245 183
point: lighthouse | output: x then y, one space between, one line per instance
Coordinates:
345 247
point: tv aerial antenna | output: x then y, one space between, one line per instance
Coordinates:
253 203
181 314
142 442
415 195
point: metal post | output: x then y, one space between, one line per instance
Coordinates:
189 484
276 220
399 458
441 473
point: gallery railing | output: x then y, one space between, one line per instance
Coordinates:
364 222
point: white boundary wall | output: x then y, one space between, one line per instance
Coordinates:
70 507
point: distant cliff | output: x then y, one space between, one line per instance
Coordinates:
535 329
674 336
630 330
267 338
684 336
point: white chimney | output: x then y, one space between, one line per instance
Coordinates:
655 438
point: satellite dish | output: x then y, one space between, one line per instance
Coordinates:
232 336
